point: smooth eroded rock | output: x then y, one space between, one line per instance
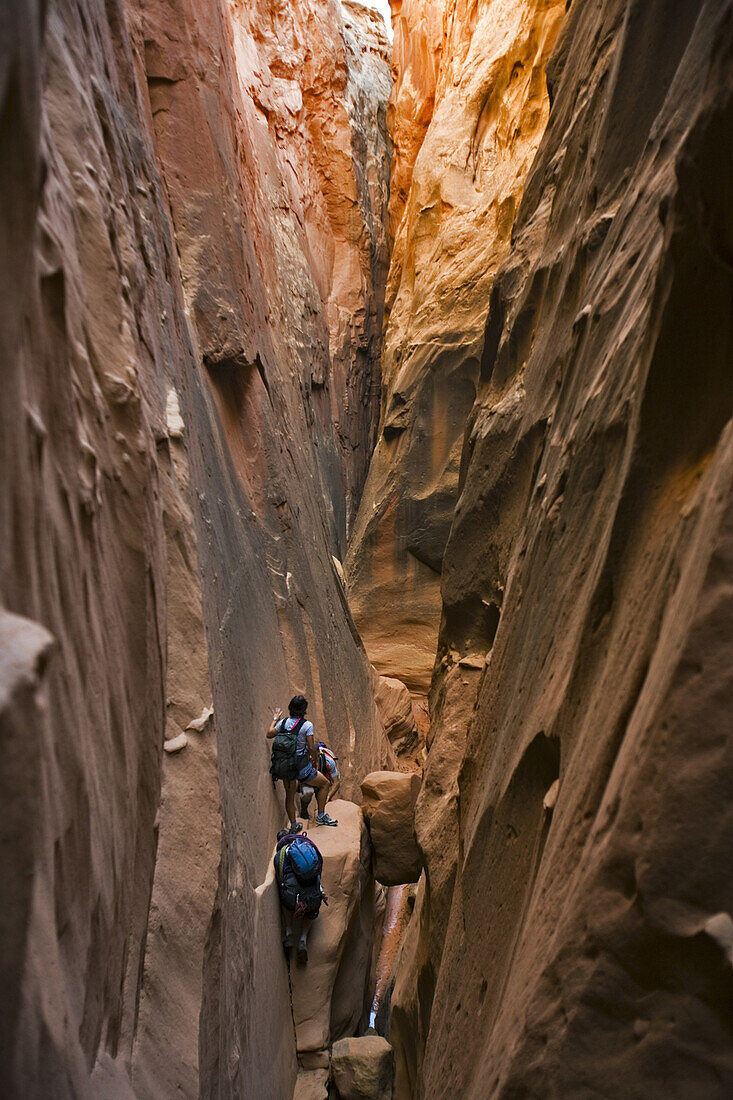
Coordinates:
470 95
193 240
394 703
575 810
329 992
389 810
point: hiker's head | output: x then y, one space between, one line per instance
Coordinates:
297 706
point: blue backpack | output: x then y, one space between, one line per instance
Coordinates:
304 858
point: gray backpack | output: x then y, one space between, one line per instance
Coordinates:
284 764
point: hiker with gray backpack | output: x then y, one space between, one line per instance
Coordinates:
295 757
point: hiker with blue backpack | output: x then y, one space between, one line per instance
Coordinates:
295 758
298 866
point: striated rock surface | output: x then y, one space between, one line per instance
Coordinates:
576 824
300 93
490 112
188 824
184 264
91 330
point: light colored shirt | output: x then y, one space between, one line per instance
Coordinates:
305 729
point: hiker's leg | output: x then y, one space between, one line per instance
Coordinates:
288 935
306 794
290 785
321 784
305 927
301 952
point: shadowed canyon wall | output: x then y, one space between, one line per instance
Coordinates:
572 934
467 119
194 235
195 229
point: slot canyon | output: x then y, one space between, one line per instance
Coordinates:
383 355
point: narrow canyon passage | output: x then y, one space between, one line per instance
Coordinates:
390 365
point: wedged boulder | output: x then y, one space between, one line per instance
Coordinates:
329 993
388 805
362 1068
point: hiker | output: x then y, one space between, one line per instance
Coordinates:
327 766
295 757
298 865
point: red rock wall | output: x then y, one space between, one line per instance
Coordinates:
481 116
573 935
417 46
159 277
301 95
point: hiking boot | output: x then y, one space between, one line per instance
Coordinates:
302 953
324 819
295 827
288 940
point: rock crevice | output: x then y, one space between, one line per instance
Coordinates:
515 430
192 286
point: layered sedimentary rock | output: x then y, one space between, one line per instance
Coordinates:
184 262
576 826
489 115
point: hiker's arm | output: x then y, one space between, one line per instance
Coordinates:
312 750
272 730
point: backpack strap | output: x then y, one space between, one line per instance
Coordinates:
280 727
281 862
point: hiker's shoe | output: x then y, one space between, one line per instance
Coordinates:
295 827
288 940
302 953
324 819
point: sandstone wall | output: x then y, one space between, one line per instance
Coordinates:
417 46
183 262
462 194
572 935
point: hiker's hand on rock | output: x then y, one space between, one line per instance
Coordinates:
277 715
